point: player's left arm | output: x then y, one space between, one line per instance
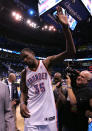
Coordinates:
24 94
70 47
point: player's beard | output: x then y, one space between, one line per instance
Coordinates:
31 64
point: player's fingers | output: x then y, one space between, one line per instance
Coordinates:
27 110
25 114
59 10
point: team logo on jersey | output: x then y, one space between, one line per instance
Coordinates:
50 118
36 77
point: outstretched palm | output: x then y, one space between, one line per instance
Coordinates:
62 18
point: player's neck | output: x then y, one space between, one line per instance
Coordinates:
35 66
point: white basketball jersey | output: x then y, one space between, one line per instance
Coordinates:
40 104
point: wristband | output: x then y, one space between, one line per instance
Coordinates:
22 103
70 87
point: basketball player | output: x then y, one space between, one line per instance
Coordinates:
40 111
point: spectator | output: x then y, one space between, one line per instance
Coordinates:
13 93
6 115
60 96
57 87
80 105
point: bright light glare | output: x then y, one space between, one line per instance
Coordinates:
48 28
31 12
28 21
42 28
45 26
13 13
54 29
16 16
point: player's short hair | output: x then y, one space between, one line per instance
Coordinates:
28 50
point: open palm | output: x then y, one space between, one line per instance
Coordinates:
62 18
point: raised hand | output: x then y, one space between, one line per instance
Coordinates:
62 18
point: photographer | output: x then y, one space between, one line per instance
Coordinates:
59 95
80 102
57 88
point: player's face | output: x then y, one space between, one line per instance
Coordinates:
81 79
28 58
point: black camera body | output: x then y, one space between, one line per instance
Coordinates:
73 74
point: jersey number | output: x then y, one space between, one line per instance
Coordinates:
39 88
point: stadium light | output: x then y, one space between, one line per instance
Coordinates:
16 16
13 13
31 12
28 21
46 27
49 28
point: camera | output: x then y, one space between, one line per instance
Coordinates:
73 74
70 72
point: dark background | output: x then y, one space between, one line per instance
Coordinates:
15 36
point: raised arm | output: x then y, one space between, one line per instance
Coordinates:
70 48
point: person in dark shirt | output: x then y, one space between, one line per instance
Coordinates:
77 110
57 86
60 96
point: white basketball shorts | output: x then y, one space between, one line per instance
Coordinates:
50 127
